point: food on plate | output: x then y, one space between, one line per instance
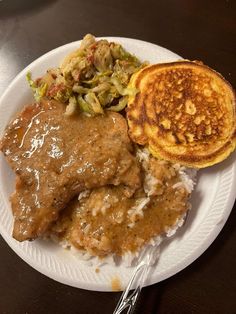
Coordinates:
55 158
184 112
93 78
86 180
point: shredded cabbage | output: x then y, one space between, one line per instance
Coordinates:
84 106
92 79
93 102
71 109
38 90
120 106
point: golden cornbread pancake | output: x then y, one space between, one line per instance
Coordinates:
184 112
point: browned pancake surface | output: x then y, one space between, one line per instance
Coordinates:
185 112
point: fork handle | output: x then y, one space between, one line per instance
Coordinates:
128 298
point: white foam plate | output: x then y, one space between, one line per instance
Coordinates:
212 199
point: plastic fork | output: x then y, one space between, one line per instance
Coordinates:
129 298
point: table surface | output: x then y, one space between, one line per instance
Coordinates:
202 30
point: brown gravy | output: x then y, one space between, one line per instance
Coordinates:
116 284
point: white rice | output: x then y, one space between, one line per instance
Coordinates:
150 183
107 203
138 209
187 176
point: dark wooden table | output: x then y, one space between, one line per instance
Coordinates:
203 30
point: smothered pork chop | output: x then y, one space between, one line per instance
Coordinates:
105 221
55 157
